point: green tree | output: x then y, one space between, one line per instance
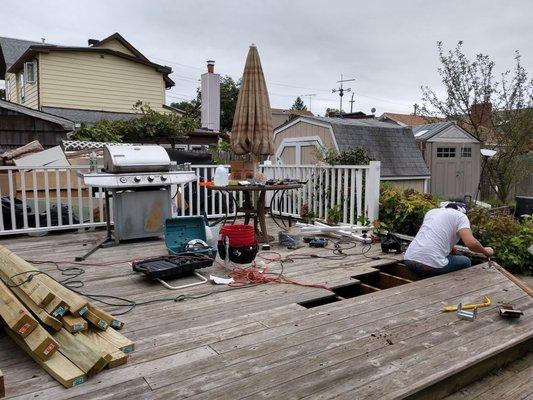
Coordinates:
497 110
299 105
229 92
2 93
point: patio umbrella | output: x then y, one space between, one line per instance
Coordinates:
252 123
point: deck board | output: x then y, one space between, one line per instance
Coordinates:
257 342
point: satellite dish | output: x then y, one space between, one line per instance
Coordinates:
373 110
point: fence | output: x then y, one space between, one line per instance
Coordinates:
38 199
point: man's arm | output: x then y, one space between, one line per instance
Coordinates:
473 244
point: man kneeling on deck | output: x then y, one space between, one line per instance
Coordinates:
431 251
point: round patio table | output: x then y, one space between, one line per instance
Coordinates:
255 209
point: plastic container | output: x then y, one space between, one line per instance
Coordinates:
242 243
221 176
180 230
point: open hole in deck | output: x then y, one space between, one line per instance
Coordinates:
320 301
355 289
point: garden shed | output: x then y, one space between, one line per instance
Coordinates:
453 156
299 140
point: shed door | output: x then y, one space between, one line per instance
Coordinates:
298 151
453 174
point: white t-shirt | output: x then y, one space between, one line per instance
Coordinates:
436 237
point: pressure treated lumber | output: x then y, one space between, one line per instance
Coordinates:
76 303
58 366
117 357
84 357
28 282
73 324
108 318
14 313
117 339
2 387
95 320
57 308
41 315
41 344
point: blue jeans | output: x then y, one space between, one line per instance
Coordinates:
455 263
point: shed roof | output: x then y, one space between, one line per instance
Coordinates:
427 131
389 143
67 124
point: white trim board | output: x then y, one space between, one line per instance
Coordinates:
297 143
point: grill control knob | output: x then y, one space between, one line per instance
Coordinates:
123 179
151 178
137 179
164 178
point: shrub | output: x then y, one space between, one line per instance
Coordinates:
355 156
403 210
151 125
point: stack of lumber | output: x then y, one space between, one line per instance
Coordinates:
68 336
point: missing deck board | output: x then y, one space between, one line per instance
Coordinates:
320 301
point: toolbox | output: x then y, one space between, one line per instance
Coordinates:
185 240
180 231
174 266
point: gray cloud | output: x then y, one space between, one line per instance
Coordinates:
388 46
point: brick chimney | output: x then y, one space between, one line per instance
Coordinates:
481 114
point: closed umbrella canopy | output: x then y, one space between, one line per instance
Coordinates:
252 123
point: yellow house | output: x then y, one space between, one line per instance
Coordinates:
83 84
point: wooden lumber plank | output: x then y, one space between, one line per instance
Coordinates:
41 315
117 358
312 347
73 324
117 339
58 366
57 308
104 315
27 282
95 320
2 387
81 355
14 313
76 303
41 343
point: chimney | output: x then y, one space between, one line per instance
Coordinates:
92 42
43 40
481 114
210 67
211 98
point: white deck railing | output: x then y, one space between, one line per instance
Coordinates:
54 198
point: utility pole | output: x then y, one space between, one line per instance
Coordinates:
309 95
341 91
351 103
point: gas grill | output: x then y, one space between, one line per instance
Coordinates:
138 179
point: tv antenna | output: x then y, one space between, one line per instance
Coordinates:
310 96
341 91
351 103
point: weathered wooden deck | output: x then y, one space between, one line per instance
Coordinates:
259 342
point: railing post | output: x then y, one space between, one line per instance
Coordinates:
372 190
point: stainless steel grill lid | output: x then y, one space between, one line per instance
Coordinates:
124 159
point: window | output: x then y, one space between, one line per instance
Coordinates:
22 91
466 152
445 152
29 72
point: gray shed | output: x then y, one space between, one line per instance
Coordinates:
297 141
454 157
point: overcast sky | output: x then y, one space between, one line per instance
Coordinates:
387 46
